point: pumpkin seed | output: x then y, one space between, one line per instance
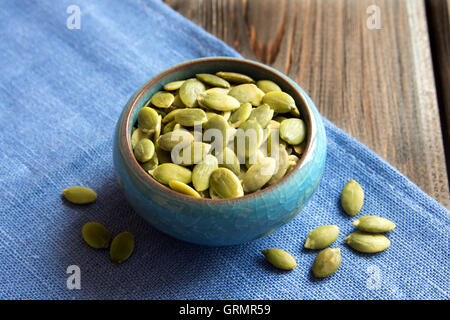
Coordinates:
170 171
157 128
242 113
138 135
177 103
79 195
147 119
162 155
367 242
322 237
174 85
190 117
170 116
183 188
202 172
300 148
280 102
95 235
217 90
216 122
327 262
228 159
235 77
162 99
258 175
248 138
263 114
144 150
122 247
282 163
169 140
267 86
352 198
212 80
151 164
191 154
247 92
280 258
225 184
169 127
293 131
374 224
189 91
218 101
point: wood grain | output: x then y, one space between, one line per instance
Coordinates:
376 84
438 17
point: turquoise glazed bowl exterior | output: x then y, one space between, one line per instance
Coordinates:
225 221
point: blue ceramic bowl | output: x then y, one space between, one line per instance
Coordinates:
225 221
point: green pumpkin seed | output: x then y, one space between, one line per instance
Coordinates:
282 165
169 140
263 114
374 224
169 127
280 258
218 101
280 102
257 157
162 155
226 115
162 99
295 111
327 262
267 86
235 77
300 148
322 237
242 113
202 172
96 235
225 184
228 159
170 171
148 119
352 198
151 164
248 138
177 103
191 154
122 247
293 131
367 242
79 195
174 85
212 80
189 91
190 117
157 131
247 92
216 122
258 175
183 188
138 135
170 116
217 90
144 150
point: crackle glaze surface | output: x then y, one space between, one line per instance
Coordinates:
223 222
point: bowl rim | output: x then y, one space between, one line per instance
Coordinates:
125 121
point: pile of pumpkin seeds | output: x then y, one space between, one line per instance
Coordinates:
95 234
367 239
219 136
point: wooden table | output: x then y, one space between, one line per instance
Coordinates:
368 68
